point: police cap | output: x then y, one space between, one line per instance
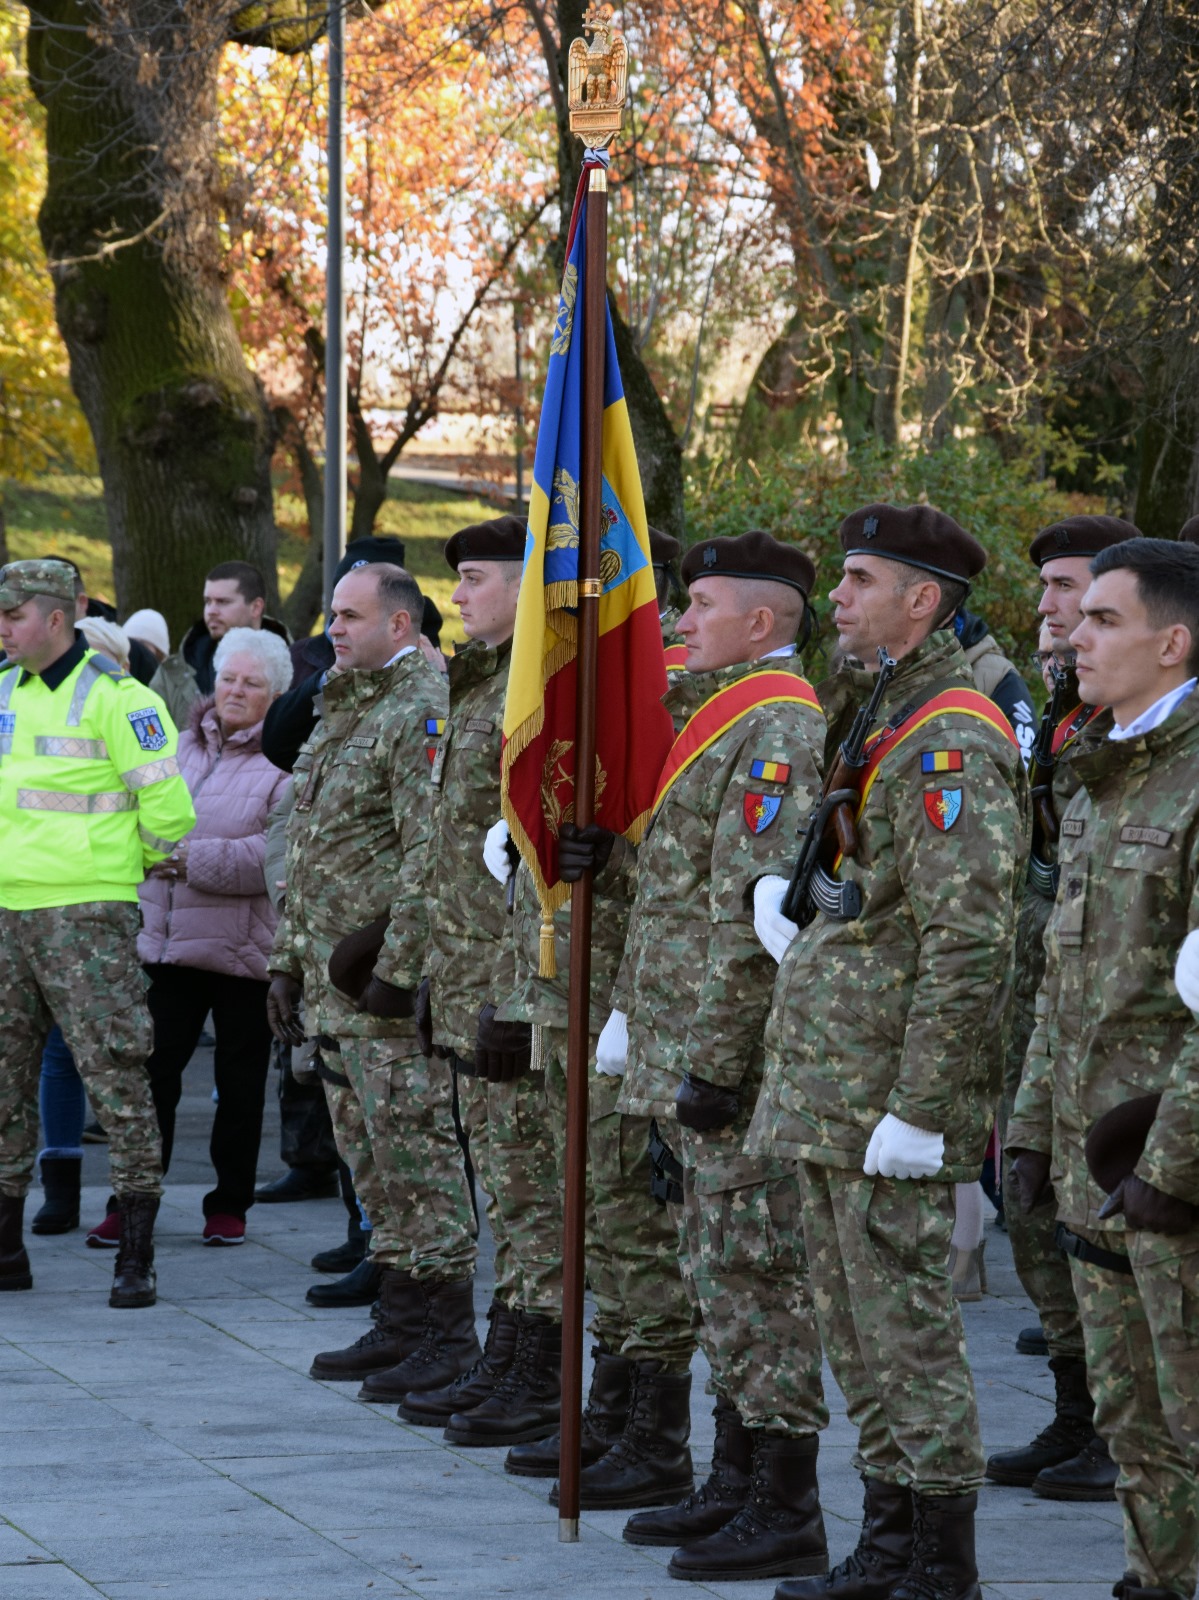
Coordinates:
21 580
919 536
755 554
1083 536
501 539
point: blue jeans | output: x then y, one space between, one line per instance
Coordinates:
62 1099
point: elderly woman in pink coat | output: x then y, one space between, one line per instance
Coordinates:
207 923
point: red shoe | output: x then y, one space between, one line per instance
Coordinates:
106 1235
221 1229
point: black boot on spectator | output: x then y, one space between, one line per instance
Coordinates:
526 1403
447 1347
650 1464
60 1185
357 1288
883 1552
134 1283
344 1257
943 1564
778 1531
603 1421
1090 1475
1072 1428
14 1261
433 1408
718 1498
298 1183
396 1335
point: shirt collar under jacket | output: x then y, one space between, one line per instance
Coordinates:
1156 714
783 650
399 656
59 671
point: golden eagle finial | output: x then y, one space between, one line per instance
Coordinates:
598 75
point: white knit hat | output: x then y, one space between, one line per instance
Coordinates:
151 628
108 638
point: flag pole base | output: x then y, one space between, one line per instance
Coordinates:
568 1530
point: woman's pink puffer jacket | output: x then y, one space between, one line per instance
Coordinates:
221 919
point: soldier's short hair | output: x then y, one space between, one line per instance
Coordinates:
250 582
953 594
1167 575
398 590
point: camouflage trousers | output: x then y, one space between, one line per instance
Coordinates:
740 1238
77 966
641 1306
512 1147
877 1249
1142 1338
394 1127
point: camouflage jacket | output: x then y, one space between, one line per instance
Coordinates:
467 919
532 998
1110 1023
898 1010
358 837
695 981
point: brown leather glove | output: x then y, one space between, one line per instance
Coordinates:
282 999
580 848
503 1050
353 959
1029 1173
1147 1208
423 1017
703 1106
383 999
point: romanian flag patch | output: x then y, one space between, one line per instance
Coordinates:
941 761
770 772
434 727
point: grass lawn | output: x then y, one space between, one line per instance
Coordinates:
64 515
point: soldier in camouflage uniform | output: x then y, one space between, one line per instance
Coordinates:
357 841
878 1075
502 1099
1067 1460
90 796
1111 1026
695 988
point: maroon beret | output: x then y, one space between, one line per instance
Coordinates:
920 536
1189 532
1079 536
755 554
663 547
501 539
1116 1142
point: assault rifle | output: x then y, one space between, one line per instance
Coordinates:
1042 875
832 829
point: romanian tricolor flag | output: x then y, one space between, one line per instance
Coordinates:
633 728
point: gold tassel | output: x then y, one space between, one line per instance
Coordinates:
549 960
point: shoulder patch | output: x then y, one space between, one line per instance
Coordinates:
770 772
760 811
148 729
434 727
941 761
943 807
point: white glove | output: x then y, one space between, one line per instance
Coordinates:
612 1047
773 929
495 852
1186 971
899 1150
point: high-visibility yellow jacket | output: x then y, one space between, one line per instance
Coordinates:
90 792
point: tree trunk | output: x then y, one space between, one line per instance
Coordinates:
905 229
129 224
303 605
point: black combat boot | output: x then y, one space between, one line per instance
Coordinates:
603 1421
779 1530
526 1403
433 1408
943 1566
358 1288
717 1499
14 1261
448 1346
650 1464
1133 1590
883 1552
395 1336
1090 1475
1032 1341
133 1280
345 1257
60 1184
1072 1428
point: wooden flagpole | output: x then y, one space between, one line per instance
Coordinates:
597 75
